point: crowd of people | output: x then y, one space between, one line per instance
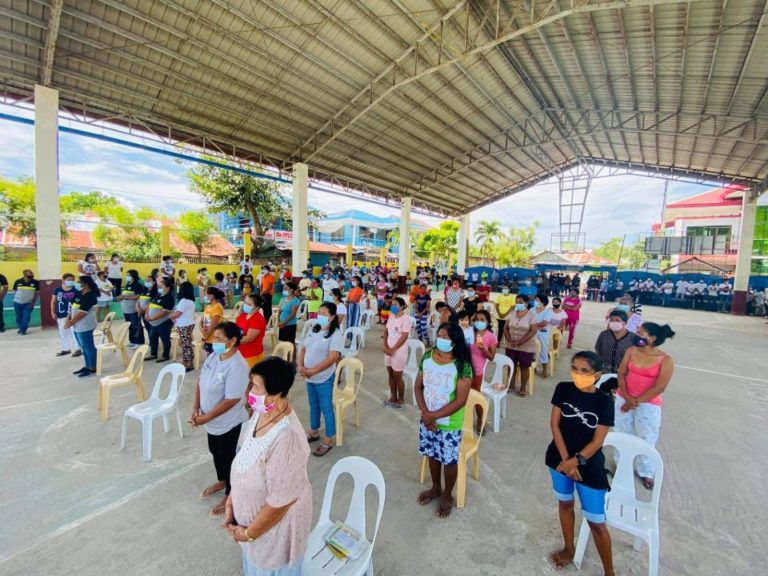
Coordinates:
265 492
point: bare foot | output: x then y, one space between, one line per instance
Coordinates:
219 509
445 507
427 496
212 489
561 558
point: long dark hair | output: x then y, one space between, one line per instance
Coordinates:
334 324
186 291
460 349
88 281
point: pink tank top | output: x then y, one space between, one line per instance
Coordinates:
640 379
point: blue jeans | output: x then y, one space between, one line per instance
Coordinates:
23 316
85 340
321 402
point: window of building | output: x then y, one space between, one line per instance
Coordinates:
708 231
760 243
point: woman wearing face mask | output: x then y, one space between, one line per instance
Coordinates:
354 296
88 267
104 297
142 305
455 295
528 288
341 309
114 269
213 313
580 421
398 330
381 292
218 405
315 299
129 301
289 311
482 349
159 317
505 303
470 303
543 319
183 317
253 325
442 388
644 375
612 344
559 316
572 307
317 363
269 511
423 307
82 320
520 331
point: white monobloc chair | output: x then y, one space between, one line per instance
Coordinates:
145 412
622 508
318 560
305 330
415 353
366 319
353 337
604 378
303 313
498 395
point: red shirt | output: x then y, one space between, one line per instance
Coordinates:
255 322
483 292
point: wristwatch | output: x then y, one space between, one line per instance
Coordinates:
580 459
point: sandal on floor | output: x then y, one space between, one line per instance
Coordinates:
323 449
311 439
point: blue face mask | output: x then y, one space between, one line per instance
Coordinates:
286 293
219 347
206 299
395 309
148 284
444 344
247 309
323 321
69 283
78 286
480 325
520 307
623 307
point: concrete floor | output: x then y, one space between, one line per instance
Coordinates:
72 503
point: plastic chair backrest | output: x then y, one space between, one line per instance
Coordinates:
283 350
502 361
354 336
364 473
415 352
238 308
136 365
308 325
475 398
122 334
604 378
177 373
272 324
366 319
303 312
434 319
627 448
350 367
106 324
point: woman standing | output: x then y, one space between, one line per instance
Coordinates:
253 326
442 388
482 350
89 267
454 295
159 317
61 303
572 307
129 303
543 319
423 304
317 363
382 286
104 297
520 331
82 320
580 420
354 296
150 291
213 313
218 405
183 316
315 299
270 508
505 303
341 309
398 329
644 375
289 312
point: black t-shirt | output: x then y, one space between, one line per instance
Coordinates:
582 412
167 301
471 306
64 300
3 281
86 301
136 287
422 301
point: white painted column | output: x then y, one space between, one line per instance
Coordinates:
744 261
463 240
405 237
300 223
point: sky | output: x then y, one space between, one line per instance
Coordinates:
616 206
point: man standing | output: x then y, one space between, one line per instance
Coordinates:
115 274
246 266
26 290
3 292
682 289
267 292
483 291
167 267
329 283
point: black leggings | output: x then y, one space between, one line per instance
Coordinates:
223 449
161 332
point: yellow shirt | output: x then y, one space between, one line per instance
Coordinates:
211 311
506 302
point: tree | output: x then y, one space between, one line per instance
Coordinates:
195 228
486 234
17 206
440 240
632 257
516 247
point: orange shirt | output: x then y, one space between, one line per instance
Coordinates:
355 295
267 284
414 292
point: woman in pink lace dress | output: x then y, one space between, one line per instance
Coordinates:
269 511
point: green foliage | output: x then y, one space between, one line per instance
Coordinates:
441 240
81 202
195 228
632 257
516 247
17 205
486 234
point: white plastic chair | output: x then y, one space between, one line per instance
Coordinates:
270 333
303 313
145 412
284 350
433 323
499 394
366 319
622 508
353 337
318 560
415 353
353 371
604 378
308 325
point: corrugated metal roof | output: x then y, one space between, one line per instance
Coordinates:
454 103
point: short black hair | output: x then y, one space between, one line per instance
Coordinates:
230 330
523 297
594 361
544 299
216 293
464 314
440 305
616 313
277 374
186 291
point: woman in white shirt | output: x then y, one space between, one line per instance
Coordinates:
543 319
105 296
114 270
341 308
183 317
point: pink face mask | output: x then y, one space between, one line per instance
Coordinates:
258 404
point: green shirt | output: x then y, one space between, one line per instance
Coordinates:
314 305
440 385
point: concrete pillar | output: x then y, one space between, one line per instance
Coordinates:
47 213
165 240
349 254
744 262
300 252
463 240
247 243
404 251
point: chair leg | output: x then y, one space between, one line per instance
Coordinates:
581 543
99 360
496 414
146 429
166 427
98 399
122 435
124 354
504 406
476 465
423 469
140 390
357 414
653 554
105 403
339 425
178 423
461 482
531 380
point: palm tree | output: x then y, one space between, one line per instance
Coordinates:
486 233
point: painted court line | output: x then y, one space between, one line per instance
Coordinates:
726 374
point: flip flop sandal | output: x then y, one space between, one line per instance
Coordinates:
386 403
323 449
311 439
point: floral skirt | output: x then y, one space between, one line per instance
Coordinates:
440 445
